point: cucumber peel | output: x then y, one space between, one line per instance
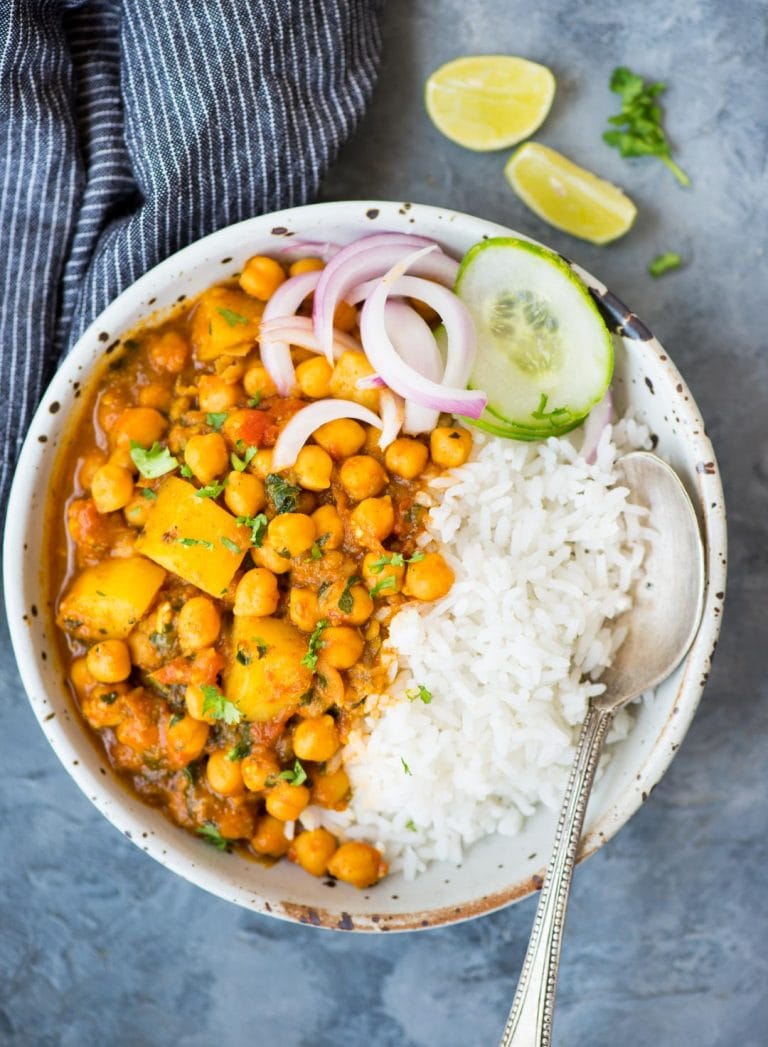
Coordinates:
545 355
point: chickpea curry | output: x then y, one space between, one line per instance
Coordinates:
222 621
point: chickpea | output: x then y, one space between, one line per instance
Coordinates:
331 790
450 446
313 468
357 863
258 769
406 458
285 801
89 465
316 739
194 699
244 495
261 463
257 593
329 525
102 706
345 317
111 487
270 838
214 395
185 740
293 532
350 367
258 382
428 579
373 520
261 277
109 661
342 646
137 511
362 477
302 608
358 605
224 775
374 572
312 850
341 438
81 677
168 352
122 456
198 624
207 456
266 556
144 425
305 265
155 395
314 377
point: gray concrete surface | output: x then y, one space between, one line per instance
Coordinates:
666 941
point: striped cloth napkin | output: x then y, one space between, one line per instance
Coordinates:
129 128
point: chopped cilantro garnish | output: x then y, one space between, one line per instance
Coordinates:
295 776
233 318
217 706
255 400
346 600
420 692
195 541
393 560
639 123
148 493
157 461
240 750
216 419
243 657
247 452
258 525
406 768
186 472
388 584
210 833
665 263
109 698
309 661
233 547
261 646
211 490
284 496
176 718
316 552
411 824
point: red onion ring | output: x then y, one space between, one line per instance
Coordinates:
276 354
412 338
298 331
599 418
392 410
301 426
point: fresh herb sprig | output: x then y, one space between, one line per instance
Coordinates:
420 692
638 126
295 775
284 496
309 661
210 833
258 525
217 706
665 263
157 461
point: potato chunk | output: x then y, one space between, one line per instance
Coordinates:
107 600
193 537
225 322
266 677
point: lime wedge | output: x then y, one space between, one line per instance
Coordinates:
567 196
486 102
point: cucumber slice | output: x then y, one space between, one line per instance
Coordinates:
545 355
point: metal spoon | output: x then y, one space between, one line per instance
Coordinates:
662 624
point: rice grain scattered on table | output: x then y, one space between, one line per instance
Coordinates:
545 550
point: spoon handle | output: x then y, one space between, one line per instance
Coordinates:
530 1019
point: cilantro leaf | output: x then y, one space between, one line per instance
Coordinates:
210 833
243 657
346 600
419 692
195 541
309 661
665 263
411 824
240 463
295 776
258 525
186 471
148 493
210 490
639 123
233 547
388 584
255 400
284 496
216 419
406 768
217 706
241 749
233 318
387 560
157 461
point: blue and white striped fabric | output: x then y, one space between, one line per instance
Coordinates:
129 128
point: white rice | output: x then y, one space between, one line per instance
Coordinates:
545 549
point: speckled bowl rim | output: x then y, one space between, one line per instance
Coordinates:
126 813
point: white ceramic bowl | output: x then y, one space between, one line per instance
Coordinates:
497 870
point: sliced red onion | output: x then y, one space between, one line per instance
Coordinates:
371 381
276 354
296 249
360 261
395 371
299 429
415 343
392 415
599 418
298 331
